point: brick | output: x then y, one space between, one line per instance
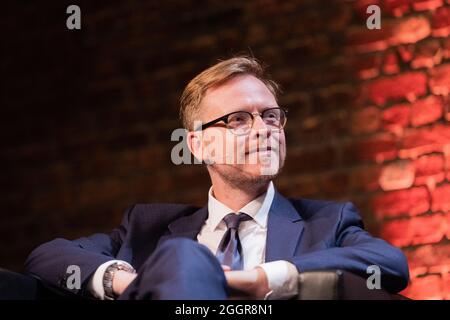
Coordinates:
429 256
446 285
390 63
440 22
410 30
396 117
447 160
428 54
426 111
426 5
419 230
446 48
404 86
428 287
448 226
428 229
429 169
396 8
397 232
406 52
397 175
378 148
424 140
366 67
366 120
402 202
360 8
393 33
440 80
440 198
360 40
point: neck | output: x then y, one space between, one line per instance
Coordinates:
237 197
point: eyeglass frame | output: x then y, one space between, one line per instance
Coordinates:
224 118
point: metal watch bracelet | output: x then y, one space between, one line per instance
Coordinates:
108 277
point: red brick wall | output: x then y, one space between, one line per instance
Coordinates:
87 115
402 124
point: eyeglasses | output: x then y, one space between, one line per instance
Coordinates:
241 122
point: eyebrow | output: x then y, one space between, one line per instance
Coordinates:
244 108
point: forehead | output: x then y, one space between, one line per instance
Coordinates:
245 93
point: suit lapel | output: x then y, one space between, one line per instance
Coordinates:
187 226
284 229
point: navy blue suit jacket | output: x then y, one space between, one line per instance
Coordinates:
311 234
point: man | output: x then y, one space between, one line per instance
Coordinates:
248 241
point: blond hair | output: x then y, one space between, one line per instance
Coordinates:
217 75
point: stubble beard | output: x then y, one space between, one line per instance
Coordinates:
240 179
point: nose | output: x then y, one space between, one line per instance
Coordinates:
260 127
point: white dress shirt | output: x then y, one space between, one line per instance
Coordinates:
281 275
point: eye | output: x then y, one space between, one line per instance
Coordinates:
238 117
272 114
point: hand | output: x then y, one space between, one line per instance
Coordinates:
248 284
122 280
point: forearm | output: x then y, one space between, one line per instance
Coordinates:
50 262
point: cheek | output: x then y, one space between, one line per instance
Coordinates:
221 146
213 144
279 139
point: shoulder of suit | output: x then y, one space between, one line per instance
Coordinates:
308 207
159 213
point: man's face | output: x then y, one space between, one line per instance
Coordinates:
256 156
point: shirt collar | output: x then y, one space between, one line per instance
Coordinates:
258 208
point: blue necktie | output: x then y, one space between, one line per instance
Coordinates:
229 251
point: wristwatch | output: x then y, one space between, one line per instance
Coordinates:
108 277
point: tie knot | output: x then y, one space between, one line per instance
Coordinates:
233 220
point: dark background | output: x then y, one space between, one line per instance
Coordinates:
87 115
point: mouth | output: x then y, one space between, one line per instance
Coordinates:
259 150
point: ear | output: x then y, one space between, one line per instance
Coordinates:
194 143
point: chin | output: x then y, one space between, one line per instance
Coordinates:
259 172
244 175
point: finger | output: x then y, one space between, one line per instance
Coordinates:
225 267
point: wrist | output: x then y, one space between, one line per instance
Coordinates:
121 281
262 287
109 279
